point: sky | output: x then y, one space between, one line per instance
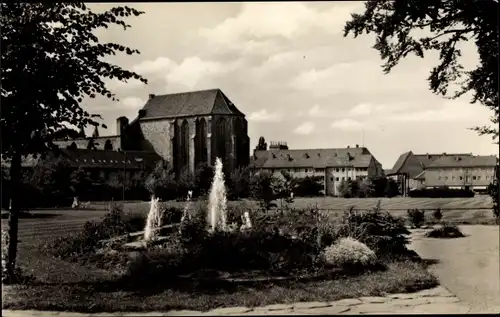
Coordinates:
290 70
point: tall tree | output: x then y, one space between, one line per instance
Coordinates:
448 22
51 59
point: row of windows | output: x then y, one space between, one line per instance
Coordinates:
348 178
468 178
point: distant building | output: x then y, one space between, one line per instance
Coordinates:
333 165
416 171
472 172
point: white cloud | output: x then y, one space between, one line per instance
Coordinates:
132 102
159 66
305 128
315 111
366 109
450 111
286 20
348 124
116 85
264 116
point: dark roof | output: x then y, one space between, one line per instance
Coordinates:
97 159
315 158
414 164
193 103
464 161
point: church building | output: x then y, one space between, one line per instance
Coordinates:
185 129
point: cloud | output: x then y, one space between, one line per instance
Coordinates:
348 124
132 102
286 20
449 112
305 128
264 116
366 109
116 85
158 66
315 111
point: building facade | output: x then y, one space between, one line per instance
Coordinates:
185 129
462 170
332 165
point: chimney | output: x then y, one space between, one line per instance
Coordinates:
151 96
357 145
141 113
348 146
121 124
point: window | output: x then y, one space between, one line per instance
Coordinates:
337 170
473 177
487 177
446 178
479 178
343 170
337 179
439 177
461 178
306 170
331 179
343 178
348 178
319 170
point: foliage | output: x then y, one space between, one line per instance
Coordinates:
185 183
113 224
80 182
51 60
379 230
203 179
446 231
261 189
391 188
396 24
348 188
161 181
309 186
437 214
416 217
282 186
366 188
349 252
442 193
495 196
239 183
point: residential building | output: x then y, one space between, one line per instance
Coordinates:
416 171
472 172
333 165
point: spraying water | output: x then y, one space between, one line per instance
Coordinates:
186 208
217 200
153 220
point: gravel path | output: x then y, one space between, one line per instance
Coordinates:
469 267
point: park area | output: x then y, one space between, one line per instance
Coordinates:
317 249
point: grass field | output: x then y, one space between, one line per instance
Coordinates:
60 222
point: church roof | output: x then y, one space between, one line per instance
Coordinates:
186 104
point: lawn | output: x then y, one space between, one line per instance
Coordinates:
70 286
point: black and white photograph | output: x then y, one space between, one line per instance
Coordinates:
250 158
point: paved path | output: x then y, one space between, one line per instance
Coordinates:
468 267
433 301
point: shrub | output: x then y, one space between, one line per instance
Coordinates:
261 189
161 182
493 191
349 252
416 217
441 193
380 231
309 186
348 188
203 179
437 214
239 182
391 188
446 231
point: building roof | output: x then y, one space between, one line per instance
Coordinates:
414 164
456 161
193 103
315 158
97 159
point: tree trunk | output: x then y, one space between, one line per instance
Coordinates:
15 178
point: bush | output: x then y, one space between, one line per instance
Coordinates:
446 231
113 224
161 182
380 231
441 193
261 189
349 252
493 191
416 217
239 182
437 214
310 186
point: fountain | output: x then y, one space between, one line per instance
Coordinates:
153 220
185 213
217 200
